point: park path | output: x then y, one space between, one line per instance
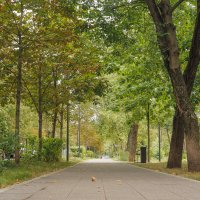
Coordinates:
114 181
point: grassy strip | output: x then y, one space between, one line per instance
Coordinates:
28 170
179 172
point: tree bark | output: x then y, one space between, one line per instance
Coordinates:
176 145
132 142
19 89
167 40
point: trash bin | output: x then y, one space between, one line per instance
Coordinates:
143 154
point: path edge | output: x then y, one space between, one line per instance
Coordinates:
165 173
36 178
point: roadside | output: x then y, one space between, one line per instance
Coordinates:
28 170
161 167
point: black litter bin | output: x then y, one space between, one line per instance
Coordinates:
143 154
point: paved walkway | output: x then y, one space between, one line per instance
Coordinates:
114 181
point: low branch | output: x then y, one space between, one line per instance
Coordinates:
176 5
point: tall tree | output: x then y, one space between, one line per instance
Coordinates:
175 154
13 24
162 15
19 82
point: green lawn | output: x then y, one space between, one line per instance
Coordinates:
162 168
28 170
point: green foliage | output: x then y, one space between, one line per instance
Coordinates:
52 148
75 151
5 164
7 144
30 149
123 155
3 123
90 154
7 138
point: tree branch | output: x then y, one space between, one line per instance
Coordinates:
160 30
30 94
194 55
154 10
176 5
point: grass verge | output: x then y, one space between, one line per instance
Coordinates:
28 170
162 168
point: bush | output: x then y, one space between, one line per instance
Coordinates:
4 164
7 144
123 155
90 154
52 148
74 151
29 150
7 139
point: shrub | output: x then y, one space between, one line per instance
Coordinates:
7 139
123 155
74 151
90 154
7 144
52 148
29 150
4 164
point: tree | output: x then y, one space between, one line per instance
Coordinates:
15 11
175 155
162 15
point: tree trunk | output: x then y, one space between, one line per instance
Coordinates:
54 123
55 115
189 118
79 131
166 33
148 131
19 89
61 122
176 145
181 93
67 133
192 142
132 142
40 112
